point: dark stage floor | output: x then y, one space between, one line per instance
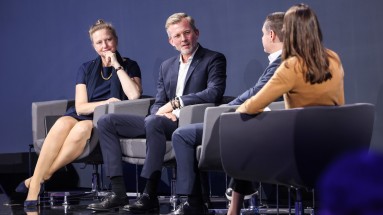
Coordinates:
77 206
52 203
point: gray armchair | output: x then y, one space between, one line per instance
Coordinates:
44 114
208 153
134 149
292 147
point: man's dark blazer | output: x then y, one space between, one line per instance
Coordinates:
265 77
205 80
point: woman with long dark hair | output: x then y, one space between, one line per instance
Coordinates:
310 75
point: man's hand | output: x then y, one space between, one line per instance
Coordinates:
167 108
170 116
166 111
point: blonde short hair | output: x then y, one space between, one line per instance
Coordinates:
101 24
178 17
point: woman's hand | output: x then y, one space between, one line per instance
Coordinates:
112 100
111 59
83 106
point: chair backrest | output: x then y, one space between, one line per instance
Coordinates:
292 147
208 154
39 111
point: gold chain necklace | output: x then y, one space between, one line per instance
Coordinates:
102 76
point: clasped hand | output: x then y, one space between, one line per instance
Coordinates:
111 59
166 111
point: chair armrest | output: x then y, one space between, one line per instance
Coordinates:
193 113
210 158
139 107
42 109
98 112
280 105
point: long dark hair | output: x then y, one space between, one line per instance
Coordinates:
303 39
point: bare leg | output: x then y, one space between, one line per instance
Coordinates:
51 147
73 146
236 204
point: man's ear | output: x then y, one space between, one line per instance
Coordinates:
170 41
196 32
272 35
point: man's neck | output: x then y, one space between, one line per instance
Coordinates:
185 58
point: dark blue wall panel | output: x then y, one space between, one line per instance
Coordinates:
43 42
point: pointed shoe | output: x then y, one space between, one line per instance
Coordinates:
22 188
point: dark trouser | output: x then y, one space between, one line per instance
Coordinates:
185 141
158 130
112 127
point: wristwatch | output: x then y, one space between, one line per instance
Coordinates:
118 68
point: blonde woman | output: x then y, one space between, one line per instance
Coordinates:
108 78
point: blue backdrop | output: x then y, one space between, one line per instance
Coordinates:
43 42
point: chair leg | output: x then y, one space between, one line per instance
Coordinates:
228 202
277 199
205 181
260 191
289 198
137 191
95 179
313 191
253 206
66 202
174 198
299 210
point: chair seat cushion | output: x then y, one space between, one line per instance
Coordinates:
134 150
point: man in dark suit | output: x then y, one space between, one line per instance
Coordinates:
186 138
197 75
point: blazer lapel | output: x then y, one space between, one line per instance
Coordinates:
196 59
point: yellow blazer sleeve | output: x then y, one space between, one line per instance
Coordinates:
281 82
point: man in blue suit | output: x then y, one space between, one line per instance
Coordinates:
197 75
186 138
